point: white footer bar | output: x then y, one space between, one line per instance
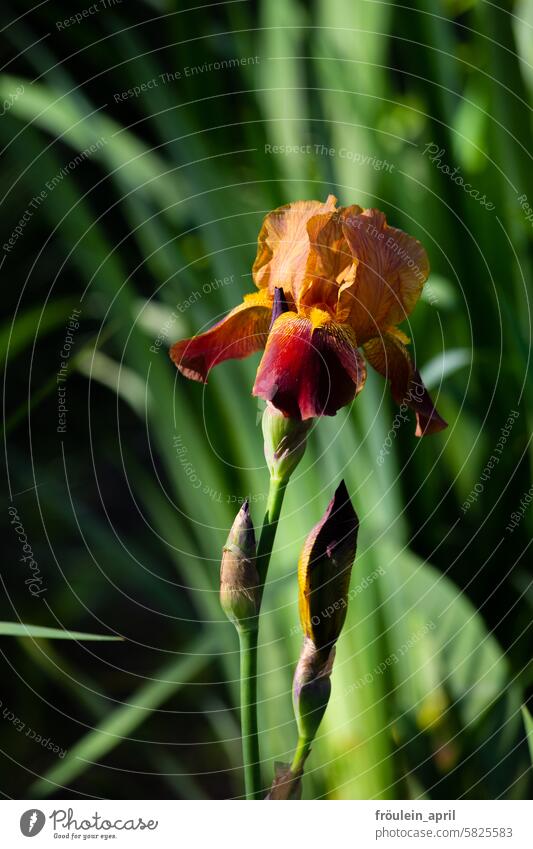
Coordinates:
262 825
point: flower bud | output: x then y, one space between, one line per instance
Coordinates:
285 441
324 571
239 579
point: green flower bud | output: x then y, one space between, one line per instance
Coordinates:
239 579
285 441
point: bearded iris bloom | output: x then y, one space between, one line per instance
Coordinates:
332 282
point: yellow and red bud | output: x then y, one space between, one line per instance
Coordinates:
324 571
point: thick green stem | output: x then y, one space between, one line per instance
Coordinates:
276 494
250 737
248 646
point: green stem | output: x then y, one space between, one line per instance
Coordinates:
249 731
300 756
276 494
248 646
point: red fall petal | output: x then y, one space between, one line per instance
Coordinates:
389 357
243 331
309 369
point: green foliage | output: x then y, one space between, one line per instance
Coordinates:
18 629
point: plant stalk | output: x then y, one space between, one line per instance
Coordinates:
276 494
249 730
248 647
301 754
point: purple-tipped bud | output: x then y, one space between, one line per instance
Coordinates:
239 579
324 571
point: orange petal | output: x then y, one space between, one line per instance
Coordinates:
388 273
390 358
243 331
329 256
310 367
283 245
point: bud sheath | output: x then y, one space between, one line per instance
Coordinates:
285 441
311 689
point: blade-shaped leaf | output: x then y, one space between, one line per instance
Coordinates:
20 629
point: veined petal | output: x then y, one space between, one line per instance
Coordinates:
283 245
390 358
243 331
311 366
324 570
388 272
329 256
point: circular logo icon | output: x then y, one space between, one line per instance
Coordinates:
32 822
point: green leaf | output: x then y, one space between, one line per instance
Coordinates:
97 136
116 727
455 707
439 292
20 333
445 364
19 629
119 378
528 722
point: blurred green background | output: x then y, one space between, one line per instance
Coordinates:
136 171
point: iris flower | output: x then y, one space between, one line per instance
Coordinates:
332 282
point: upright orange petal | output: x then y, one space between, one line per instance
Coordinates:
243 331
329 255
283 245
390 358
388 272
